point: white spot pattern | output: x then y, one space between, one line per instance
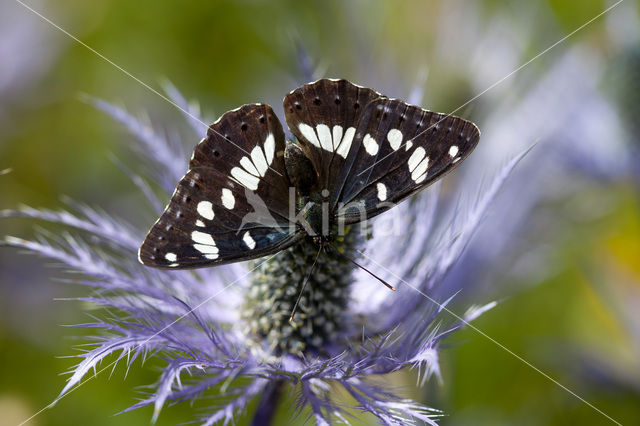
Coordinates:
345 145
249 241
200 223
202 238
269 148
408 145
171 257
205 244
246 179
324 135
370 145
337 136
453 151
416 158
333 140
395 138
248 175
205 209
257 156
382 191
248 166
309 134
228 200
420 172
418 164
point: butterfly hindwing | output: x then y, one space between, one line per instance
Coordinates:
398 150
323 116
232 203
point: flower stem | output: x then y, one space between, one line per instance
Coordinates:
268 404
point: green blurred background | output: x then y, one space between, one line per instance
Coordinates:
580 325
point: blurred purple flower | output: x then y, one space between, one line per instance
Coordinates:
182 317
578 133
578 139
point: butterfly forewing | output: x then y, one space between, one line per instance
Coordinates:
233 202
323 116
398 150
247 145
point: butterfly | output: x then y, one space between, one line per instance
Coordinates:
249 193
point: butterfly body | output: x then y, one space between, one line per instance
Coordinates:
249 193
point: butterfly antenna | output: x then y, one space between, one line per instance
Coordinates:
363 268
306 280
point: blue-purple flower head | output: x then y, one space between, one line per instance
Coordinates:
216 328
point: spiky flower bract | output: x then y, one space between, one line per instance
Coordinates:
225 328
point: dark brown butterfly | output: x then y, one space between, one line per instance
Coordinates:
249 193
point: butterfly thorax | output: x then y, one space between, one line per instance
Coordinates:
312 201
300 171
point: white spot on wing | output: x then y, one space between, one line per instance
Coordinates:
257 156
324 135
333 140
337 136
382 191
250 242
370 145
247 180
420 169
205 244
309 134
416 158
248 166
453 151
395 138
205 209
261 158
200 223
269 148
210 252
408 145
345 145
228 200
171 257
203 238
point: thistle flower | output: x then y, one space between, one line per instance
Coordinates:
224 326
